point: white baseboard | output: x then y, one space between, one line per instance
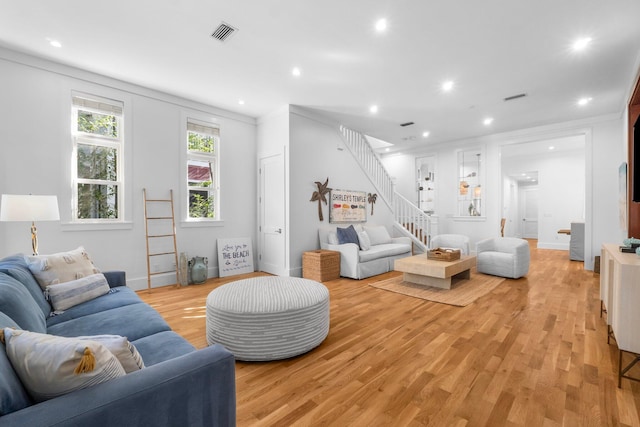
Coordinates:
551 245
166 279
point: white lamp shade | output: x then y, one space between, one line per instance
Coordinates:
29 208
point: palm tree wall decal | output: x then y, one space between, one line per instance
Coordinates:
372 199
319 196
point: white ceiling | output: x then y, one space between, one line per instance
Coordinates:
492 49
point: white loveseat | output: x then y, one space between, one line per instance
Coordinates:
361 260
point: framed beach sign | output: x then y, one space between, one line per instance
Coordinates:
235 256
347 206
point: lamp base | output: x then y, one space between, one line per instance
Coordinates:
34 239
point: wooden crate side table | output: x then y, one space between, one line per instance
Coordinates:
321 265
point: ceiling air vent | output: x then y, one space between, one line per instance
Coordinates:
511 98
406 124
223 32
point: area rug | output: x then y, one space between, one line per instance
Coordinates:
463 292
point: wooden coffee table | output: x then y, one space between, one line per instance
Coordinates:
423 271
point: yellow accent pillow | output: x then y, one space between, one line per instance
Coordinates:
126 352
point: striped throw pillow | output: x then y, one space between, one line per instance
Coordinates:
65 295
126 352
50 366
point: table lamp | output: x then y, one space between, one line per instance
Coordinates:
29 208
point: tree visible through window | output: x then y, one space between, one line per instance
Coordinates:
97 135
202 162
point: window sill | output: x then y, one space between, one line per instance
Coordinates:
95 226
201 224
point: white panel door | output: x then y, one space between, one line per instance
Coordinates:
530 213
272 255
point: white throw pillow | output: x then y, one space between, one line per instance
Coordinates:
51 366
332 238
61 267
65 295
365 242
378 235
120 347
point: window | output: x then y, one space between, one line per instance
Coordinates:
97 175
203 142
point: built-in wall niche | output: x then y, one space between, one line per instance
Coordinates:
470 190
426 183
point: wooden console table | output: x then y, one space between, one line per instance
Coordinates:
619 299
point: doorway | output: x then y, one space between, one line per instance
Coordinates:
544 188
529 209
272 230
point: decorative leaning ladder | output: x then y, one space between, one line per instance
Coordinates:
160 216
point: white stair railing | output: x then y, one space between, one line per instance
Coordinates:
408 217
412 219
370 163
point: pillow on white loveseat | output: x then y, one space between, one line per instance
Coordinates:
378 235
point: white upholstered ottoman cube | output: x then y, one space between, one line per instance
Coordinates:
268 318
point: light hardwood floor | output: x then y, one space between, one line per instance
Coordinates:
533 352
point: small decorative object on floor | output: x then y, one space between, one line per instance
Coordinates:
183 270
198 267
319 196
372 200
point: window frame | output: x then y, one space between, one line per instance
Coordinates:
106 106
204 122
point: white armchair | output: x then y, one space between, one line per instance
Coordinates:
454 241
503 256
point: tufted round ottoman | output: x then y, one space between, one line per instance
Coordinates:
268 318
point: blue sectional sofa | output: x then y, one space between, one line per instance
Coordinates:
179 385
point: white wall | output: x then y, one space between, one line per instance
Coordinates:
603 155
317 153
36 145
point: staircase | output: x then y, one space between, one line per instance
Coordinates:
408 218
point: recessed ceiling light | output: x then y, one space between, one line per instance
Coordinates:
381 25
447 86
387 149
373 109
581 44
552 148
425 134
241 101
584 101
296 72
55 43
487 121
